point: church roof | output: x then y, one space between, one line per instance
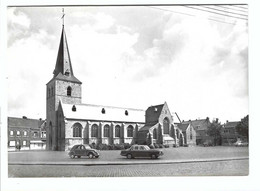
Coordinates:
63 69
148 127
183 127
103 113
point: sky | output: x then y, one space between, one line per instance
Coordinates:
134 57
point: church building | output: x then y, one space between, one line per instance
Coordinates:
70 122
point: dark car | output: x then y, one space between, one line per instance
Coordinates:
83 150
141 151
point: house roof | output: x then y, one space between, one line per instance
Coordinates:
198 124
24 123
231 124
94 112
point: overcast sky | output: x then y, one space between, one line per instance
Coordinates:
133 57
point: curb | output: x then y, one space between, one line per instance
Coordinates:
126 163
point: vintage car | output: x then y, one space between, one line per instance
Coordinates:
83 150
240 143
143 151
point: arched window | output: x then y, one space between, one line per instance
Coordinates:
155 134
166 125
130 131
94 130
106 131
69 91
52 93
77 129
117 131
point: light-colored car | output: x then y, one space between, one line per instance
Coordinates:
240 144
141 151
83 150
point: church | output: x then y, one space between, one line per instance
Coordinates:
69 121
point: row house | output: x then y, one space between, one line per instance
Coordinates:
26 133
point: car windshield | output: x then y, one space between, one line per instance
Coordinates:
87 147
146 147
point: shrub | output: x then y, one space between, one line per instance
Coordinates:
156 145
161 146
102 146
126 145
119 147
151 146
166 146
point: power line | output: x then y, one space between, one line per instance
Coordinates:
214 12
241 7
189 15
231 8
229 12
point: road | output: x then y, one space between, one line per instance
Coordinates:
183 161
216 168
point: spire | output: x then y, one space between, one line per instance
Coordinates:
63 68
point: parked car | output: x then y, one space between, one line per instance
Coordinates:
207 143
83 150
240 144
141 151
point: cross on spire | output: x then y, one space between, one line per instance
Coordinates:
63 15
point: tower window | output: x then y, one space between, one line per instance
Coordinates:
103 111
67 73
126 112
69 91
74 108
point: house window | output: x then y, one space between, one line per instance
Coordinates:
11 143
130 131
155 133
52 93
25 133
166 125
94 130
24 143
117 131
77 128
69 91
43 134
11 133
18 133
35 134
106 131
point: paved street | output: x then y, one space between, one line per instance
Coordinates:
183 161
219 168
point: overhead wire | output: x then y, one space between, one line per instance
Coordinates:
191 7
162 9
228 12
231 8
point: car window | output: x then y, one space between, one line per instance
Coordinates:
136 148
142 148
146 147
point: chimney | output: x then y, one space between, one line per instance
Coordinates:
24 117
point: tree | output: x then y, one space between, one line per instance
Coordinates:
242 127
214 130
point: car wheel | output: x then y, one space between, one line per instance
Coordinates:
72 156
90 155
129 156
153 156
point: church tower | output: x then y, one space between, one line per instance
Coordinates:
64 86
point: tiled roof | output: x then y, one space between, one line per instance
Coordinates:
198 124
24 123
231 124
154 112
94 112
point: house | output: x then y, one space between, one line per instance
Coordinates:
200 126
189 134
26 133
229 134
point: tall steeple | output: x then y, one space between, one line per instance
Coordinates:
63 69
